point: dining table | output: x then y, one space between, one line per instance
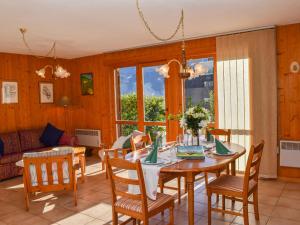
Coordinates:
189 168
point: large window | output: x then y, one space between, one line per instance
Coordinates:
201 89
140 100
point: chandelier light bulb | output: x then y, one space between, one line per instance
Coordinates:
61 72
41 72
164 70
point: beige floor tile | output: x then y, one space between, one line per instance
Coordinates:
265 210
276 221
99 211
286 213
289 203
57 213
292 186
262 220
279 203
36 220
96 222
78 218
16 217
294 194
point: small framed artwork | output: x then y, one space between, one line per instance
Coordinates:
46 92
87 83
9 92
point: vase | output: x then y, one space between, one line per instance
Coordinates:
195 140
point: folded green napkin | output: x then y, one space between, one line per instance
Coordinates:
152 156
220 148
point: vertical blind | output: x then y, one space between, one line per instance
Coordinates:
247 93
234 92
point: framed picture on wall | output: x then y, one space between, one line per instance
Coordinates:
46 92
87 83
9 92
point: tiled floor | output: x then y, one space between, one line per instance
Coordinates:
279 204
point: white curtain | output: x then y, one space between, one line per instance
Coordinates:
247 93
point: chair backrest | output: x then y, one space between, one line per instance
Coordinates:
221 132
49 171
253 164
140 141
118 182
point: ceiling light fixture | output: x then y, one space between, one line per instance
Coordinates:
56 71
186 71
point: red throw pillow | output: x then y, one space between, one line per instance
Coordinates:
68 140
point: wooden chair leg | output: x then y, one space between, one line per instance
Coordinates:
206 179
218 174
223 204
179 189
75 191
185 185
227 170
115 218
82 167
209 207
171 215
161 186
245 212
26 201
255 204
134 222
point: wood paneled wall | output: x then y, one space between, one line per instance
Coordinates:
288 50
97 111
29 113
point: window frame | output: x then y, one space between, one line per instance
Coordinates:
140 122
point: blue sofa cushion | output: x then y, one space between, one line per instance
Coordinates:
51 135
1 148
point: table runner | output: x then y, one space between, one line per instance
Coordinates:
151 175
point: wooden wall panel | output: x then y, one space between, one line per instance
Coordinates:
97 111
29 113
288 50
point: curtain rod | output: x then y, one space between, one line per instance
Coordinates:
194 38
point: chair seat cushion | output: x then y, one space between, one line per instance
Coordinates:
230 183
136 205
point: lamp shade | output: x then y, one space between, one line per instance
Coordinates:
65 101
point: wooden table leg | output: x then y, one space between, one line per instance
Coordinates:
190 189
233 172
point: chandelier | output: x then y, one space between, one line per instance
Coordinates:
186 71
57 71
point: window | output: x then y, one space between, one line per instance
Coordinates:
154 95
126 93
140 100
201 89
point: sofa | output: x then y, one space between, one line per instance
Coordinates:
19 142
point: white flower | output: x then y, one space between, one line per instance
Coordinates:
182 122
203 123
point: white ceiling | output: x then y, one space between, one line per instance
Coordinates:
88 27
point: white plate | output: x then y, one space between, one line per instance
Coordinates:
229 154
160 161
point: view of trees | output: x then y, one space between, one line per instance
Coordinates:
154 111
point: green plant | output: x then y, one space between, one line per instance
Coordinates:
154 111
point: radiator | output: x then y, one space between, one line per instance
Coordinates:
290 153
88 137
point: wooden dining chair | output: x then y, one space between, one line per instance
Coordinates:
227 134
138 206
238 188
141 141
